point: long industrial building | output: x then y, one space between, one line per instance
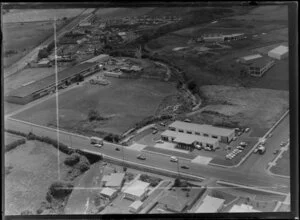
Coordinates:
260 66
222 134
36 89
281 52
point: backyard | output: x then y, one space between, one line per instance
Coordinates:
123 103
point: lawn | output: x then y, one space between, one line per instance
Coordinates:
125 102
282 166
34 168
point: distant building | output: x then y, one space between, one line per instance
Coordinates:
222 37
243 208
279 53
222 134
210 205
85 24
237 36
115 180
102 58
113 74
136 206
108 192
44 63
137 190
250 58
188 141
259 66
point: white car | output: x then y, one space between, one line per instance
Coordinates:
159 141
247 130
174 159
98 145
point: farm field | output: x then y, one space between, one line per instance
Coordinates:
283 165
33 169
22 37
238 106
124 102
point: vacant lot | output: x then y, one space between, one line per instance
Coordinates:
34 168
283 165
124 102
22 37
238 106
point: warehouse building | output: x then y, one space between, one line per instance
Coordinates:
137 190
114 180
260 66
136 206
249 59
281 52
210 205
222 134
189 141
42 87
108 192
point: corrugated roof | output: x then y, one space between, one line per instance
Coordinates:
261 62
50 80
280 50
210 205
137 188
202 128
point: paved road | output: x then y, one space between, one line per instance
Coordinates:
253 176
19 65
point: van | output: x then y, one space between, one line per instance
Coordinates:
96 140
174 159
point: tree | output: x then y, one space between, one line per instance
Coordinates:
177 182
50 47
72 160
43 53
59 190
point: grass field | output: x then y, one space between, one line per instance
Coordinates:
282 166
124 102
34 168
249 107
9 138
22 37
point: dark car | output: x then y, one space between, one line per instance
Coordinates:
184 167
117 149
141 157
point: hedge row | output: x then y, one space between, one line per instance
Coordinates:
14 144
16 133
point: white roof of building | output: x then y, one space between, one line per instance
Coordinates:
210 205
98 58
115 179
280 50
243 208
137 188
251 57
136 204
202 128
107 191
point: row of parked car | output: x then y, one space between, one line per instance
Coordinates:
237 150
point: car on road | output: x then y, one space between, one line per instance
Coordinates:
184 167
141 157
260 149
187 120
117 149
174 159
162 124
154 131
270 135
159 141
98 145
282 144
276 152
198 147
247 130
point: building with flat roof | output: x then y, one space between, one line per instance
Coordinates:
222 134
115 180
108 192
136 206
102 58
281 52
42 87
259 66
188 141
250 58
210 205
137 190
243 208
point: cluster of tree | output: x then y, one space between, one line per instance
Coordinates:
14 144
154 181
113 138
8 53
94 115
78 162
192 86
46 51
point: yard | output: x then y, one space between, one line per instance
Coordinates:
282 166
33 169
124 102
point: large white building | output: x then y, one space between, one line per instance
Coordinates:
188 141
137 190
243 208
210 205
281 52
222 134
108 192
250 58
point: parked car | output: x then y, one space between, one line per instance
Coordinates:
198 147
117 149
243 144
141 157
159 141
270 135
240 147
187 120
282 144
276 152
154 131
174 159
184 167
247 130
162 124
98 145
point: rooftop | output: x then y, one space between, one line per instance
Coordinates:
136 204
202 128
210 205
261 62
280 50
252 57
99 58
50 80
107 191
243 208
115 180
137 188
